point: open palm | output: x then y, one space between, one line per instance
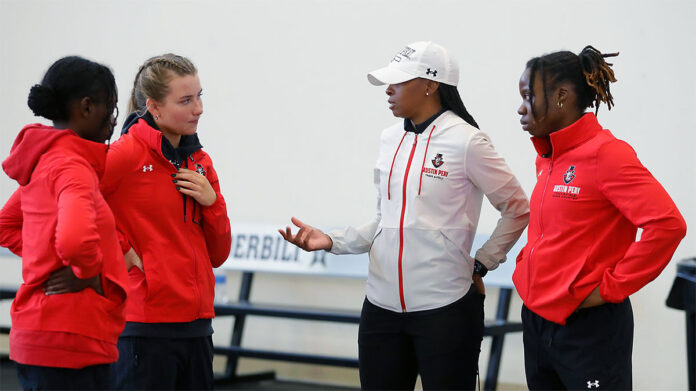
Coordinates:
307 238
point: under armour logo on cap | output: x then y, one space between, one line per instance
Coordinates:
429 72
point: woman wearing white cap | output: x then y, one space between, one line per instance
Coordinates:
423 313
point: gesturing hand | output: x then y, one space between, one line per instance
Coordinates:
195 185
64 280
307 238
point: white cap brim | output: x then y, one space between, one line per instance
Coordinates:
388 75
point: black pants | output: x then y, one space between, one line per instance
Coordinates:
592 351
147 363
94 377
442 345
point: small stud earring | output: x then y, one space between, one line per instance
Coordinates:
560 104
427 93
157 117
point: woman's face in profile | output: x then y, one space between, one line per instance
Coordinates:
101 121
406 99
180 110
530 98
545 119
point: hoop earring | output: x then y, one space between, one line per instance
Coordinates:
560 104
157 117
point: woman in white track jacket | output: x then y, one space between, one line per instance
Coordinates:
421 314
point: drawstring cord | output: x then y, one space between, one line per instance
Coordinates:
184 195
425 156
392 166
193 215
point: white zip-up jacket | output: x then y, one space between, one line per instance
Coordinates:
431 187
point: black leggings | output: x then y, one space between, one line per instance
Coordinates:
442 345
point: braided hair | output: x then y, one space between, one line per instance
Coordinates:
68 79
153 77
450 100
588 72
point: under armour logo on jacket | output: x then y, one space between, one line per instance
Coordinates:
147 168
594 384
429 72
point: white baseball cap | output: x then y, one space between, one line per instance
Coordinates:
419 59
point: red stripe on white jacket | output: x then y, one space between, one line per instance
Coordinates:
419 243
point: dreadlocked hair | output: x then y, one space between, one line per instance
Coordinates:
451 100
588 72
153 77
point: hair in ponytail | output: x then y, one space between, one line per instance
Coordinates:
153 77
68 79
588 72
598 75
450 100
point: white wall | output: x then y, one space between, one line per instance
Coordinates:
293 124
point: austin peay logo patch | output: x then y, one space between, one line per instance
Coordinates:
200 169
564 191
569 175
437 162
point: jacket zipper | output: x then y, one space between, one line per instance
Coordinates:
541 224
193 251
401 226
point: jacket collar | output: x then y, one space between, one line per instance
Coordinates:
93 152
144 130
152 137
446 120
564 140
409 126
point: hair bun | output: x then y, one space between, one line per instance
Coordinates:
43 102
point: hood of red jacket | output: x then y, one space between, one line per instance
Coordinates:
36 139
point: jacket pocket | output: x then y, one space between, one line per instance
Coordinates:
374 239
384 254
460 241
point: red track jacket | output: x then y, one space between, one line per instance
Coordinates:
592 194
59 218
178 240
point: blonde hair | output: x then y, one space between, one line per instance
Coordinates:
153 77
